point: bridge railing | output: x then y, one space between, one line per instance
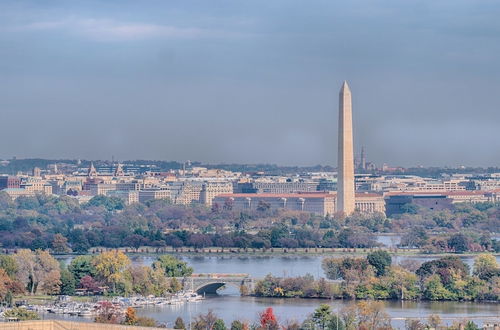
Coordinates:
220 275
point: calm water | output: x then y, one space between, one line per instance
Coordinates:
230 306
260 266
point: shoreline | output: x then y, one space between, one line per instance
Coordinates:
217 251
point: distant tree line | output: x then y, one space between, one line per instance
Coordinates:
374 277
63 226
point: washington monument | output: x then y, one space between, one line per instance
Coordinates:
345 184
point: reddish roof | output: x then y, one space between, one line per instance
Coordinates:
295 195
366 194
440 193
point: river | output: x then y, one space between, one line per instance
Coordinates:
259 266
229 305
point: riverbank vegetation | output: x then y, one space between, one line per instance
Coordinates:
63 226
111 273
374 277
361 315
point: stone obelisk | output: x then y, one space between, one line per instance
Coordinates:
345 183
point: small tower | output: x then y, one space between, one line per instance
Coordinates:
92 172
119 170
37 172
363 159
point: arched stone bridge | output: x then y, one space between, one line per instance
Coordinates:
210 283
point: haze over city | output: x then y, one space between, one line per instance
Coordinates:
250 82
236 164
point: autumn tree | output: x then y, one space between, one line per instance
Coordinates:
39 270
8 263
268 320
130 316
371 315
60 244
107 313
174 285
88 283
205 321
145 280
4 284
434 321
486 267
110 267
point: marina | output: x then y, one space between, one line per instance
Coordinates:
66 306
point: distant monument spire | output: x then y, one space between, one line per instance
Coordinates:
119 170
92 172
345 184
363 159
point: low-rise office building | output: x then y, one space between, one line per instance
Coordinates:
398 202
317 202
210 190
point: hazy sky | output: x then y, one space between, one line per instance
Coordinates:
250 81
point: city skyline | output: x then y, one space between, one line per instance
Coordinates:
238 83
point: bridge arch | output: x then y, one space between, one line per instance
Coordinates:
212 287
210 283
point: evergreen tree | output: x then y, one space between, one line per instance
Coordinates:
68 282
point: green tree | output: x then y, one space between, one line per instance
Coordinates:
471 326
9 299
237 325
322 315
179 323
323 318
81 266
68 283
219 325
409 208
448 268
380 260
172 266
109 203
435 290
459 243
